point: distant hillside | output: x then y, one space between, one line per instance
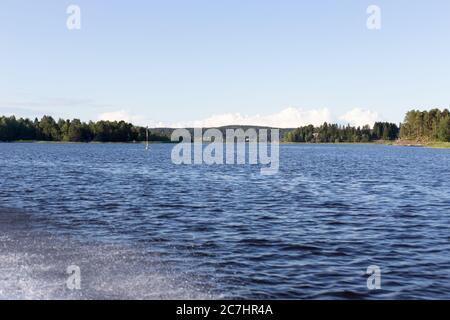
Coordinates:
49 129
167 132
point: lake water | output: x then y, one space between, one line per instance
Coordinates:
139 226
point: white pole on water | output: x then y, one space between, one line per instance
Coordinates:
146 138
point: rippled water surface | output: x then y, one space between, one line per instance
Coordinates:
142 227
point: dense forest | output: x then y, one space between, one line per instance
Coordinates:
331 133
433 125
47 129
423 126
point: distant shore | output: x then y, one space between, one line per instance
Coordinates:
80 142
397 143
426 144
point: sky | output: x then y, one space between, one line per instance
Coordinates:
181 63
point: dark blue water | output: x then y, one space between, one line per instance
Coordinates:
226 231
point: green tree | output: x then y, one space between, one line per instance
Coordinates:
48 129
444 129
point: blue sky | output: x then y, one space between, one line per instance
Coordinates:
190 61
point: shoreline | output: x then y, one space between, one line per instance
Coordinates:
432 145
80 142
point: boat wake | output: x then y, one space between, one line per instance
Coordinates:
34 265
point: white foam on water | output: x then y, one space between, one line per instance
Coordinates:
34 266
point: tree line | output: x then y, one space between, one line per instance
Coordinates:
334 133
47 129
433 125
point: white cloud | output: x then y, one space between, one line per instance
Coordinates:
360 117
287 118
115 116
129 117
